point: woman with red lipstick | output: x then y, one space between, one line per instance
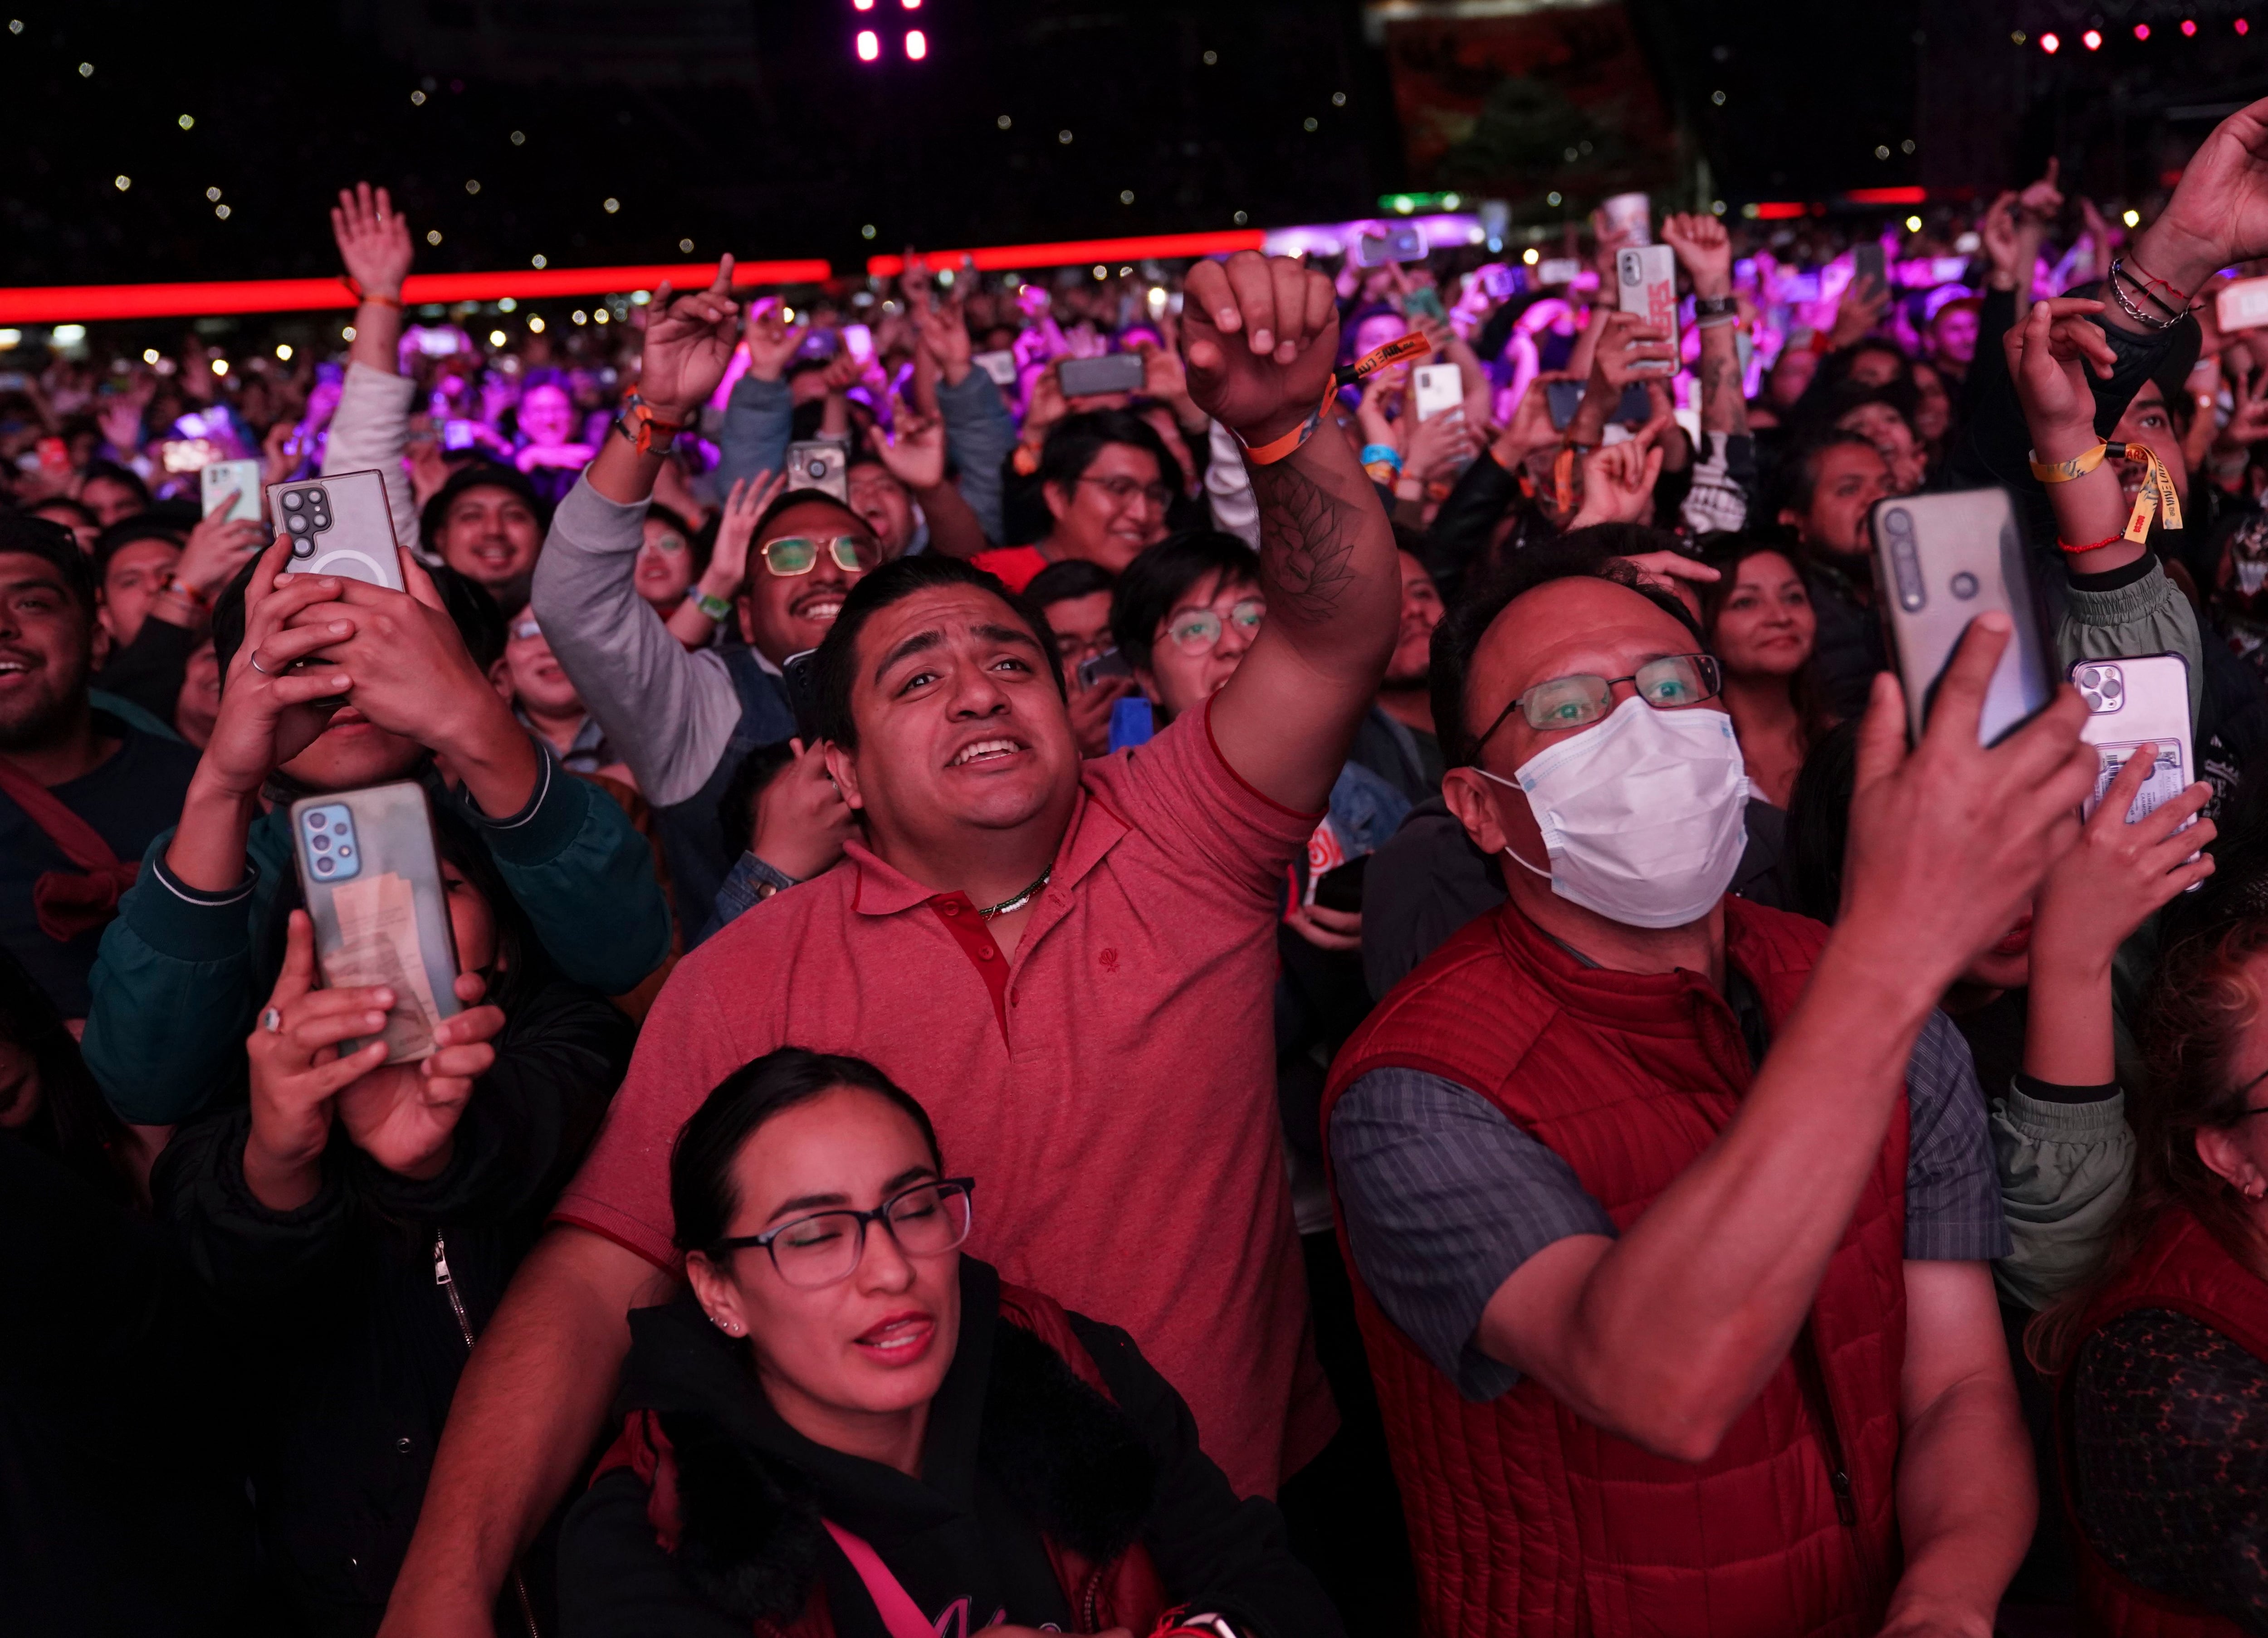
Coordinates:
1762 629
845 1429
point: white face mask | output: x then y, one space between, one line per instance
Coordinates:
1645 816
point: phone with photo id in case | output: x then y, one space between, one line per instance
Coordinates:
372 880
2133 700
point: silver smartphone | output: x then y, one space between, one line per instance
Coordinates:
372 881
1113 372
1941 561
339 526
1437 389
2133 700
220 479
819 464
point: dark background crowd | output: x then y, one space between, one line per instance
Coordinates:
1251 945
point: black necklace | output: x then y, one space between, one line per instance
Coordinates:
1020 900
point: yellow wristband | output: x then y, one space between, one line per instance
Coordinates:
2065 471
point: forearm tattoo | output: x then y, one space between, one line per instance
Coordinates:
1720 391
1308 541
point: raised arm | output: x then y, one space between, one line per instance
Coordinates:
371 427
1707 250
1260 337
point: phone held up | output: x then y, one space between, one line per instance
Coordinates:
2133 700
1645 283
1113 372
1941 561
372 880
820 464
1103 667
339 526
221 479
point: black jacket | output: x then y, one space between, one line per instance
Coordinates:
348 1345
1015 1444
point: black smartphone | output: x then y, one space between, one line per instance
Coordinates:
802 693
1103 667
1342 889
1562 397
1866 262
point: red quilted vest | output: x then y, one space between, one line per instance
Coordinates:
1125 1592
1525 1518
2183 1268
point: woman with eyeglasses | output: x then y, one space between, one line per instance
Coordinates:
846 1428
2164 1354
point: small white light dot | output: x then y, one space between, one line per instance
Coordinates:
539 260
149 354
1125 195
1064 138
2133 219
86 70
535 323
15 25
220 366
283 351
508 306
1211 57
472 186
69 335
432 236
601 315
346 332
496 338
1101 272
1338 100
1882 150
518 138
121 183
685 246
1241 218
1311 123
1003 122
1906 146
416 99
867 232
221 211
1531 255
212 193
1551 198
787 315
187 122
612 205
1716 207
638 298
1913 224
1716 97
1125 273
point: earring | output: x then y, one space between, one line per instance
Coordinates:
2256 1188
724 1325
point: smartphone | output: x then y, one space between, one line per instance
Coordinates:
372 877
1113 372
458 435
2242 305
1437 388
1001 366
1425 302
1405 242
1499 283
802 693
1562 397
1866 262
216 482
2133 700
1942 560
860 339
1558 270
1645 283
1340 889
819 464
1103 667
339 526
438 341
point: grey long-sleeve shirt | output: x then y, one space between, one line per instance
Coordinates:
370 432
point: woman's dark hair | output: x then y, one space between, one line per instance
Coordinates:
1725 554
74 1122
701 1197
1819 823
519 968
474 612
1594 553
1156 581
1068 578
1076 440
835 668
2201 1003
736 809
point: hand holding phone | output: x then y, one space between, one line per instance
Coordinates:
1943 560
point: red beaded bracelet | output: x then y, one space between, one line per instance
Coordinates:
2096 545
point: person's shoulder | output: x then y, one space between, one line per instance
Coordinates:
768 936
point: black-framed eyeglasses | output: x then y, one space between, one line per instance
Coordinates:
1668 684
821 1249
1123 491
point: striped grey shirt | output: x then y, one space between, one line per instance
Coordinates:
1445 1197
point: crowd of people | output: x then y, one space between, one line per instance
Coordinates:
1552 1102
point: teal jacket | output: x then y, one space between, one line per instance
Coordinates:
182 974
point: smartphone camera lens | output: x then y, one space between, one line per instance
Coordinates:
320 842
324 867
315 821
1964 585
294 499
296 524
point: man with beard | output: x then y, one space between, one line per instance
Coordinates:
81 792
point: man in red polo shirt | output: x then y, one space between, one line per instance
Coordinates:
1069 963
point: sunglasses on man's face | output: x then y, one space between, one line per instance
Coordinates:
798 555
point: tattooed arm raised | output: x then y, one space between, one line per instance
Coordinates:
1261 337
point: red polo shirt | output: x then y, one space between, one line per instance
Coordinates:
1112 1088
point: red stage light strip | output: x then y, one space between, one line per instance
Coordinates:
1888 196
1071 252
61 303
1781 210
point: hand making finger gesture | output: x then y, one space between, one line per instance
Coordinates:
689 341
1259 340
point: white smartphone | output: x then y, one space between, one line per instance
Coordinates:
1437 389
2242 305
1645 283
1942 560
339 526
1001 366
221 479
1558 270
2132 701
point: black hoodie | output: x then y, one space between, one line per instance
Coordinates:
1015 1444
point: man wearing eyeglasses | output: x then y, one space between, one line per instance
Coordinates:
1672 1214
684 721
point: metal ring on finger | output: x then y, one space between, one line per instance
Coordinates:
252 660
271 1019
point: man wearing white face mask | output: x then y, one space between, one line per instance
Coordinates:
1671 1213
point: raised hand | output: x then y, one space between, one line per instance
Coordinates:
1618 481
2119 873
2219 213
914 452
689 341
1630 349
1704 249
944 338
771 340
2042 200
297 1072
1438 446
216 550
2048 357
404 1115
1091 709
1859 310
374 240
1260 341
